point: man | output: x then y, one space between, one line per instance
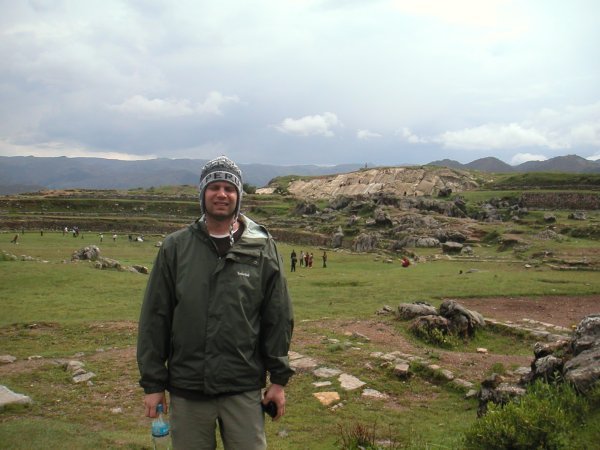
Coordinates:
294 259
216 318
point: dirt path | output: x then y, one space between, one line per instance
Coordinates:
563 311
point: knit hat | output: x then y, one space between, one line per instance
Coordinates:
221 169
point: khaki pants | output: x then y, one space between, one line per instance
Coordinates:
240 417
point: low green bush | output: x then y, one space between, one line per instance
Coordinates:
435 336
545 418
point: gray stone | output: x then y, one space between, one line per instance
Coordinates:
462 384
445 373
303 364
326 372
372 393
8 397
452 247
7 359
350 382
84 377
402 370
411 310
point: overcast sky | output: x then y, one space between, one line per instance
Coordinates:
387 82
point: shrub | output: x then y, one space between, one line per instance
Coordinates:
362 437
435 336
491 237
249 188
545 418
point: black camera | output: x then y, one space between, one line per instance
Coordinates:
270 408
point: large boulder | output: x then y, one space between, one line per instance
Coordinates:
425 325
452 247
305 208
337 238
382 218
90 253
407 311
463 321
365 242
583 370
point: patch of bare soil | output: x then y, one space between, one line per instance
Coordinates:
383 337
563 311
474 367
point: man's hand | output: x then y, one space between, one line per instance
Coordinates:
276 394
152 400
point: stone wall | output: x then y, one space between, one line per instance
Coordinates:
561 200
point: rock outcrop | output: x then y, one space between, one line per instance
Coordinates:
398 181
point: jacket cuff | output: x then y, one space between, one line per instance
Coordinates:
153 389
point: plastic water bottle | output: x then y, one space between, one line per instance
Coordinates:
160 430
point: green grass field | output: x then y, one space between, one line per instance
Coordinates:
61 310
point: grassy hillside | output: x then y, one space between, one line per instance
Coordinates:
55 310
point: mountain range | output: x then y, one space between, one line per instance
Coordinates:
29 173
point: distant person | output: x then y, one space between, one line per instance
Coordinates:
15 239
215 321
324 259
294 259
130 238
42 233
405 262
310 260
301 258
306 258
101 237
114 238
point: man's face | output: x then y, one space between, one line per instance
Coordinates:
220 199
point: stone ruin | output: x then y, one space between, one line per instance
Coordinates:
452 318
92 253
574 360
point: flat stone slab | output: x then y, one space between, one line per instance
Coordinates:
464 384
83 377
327 398
350 382
447 374
372 393
7 359
8 397
326 372
304 364
322 383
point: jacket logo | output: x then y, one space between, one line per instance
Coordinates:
244 274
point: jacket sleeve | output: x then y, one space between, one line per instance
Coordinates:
277 324
154 328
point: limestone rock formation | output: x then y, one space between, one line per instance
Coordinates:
399 181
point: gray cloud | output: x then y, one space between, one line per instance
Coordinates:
326 82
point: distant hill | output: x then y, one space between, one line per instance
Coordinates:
489 164
569 163
565 164
29 173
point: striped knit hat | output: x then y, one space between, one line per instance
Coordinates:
221 169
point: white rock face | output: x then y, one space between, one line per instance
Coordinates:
393 180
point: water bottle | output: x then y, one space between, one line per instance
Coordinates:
160 430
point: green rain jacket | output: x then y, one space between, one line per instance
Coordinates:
215 324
